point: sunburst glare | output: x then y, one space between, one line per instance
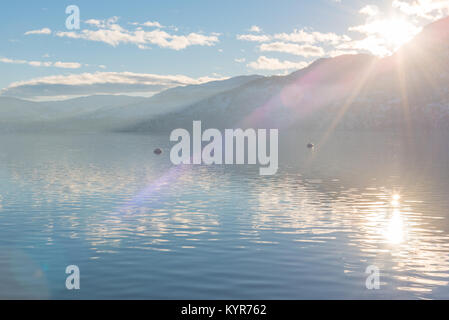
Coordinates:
394 232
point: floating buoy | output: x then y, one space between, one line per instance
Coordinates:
310 145
157 151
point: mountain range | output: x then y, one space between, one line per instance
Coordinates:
405 90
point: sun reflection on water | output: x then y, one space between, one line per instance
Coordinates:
395 228
301 224
387 229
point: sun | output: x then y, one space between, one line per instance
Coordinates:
386 36
397 32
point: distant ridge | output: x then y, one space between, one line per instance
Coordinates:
407 89
349 91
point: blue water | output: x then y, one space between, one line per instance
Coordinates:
139 228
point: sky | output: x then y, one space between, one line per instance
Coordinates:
140 47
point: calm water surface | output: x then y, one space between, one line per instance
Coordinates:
138 227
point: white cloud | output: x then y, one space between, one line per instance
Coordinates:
297 36
371 44
336 53
253 37
39 63
382 33
13 61
255 29
293 48
385 26
67 65
152 24
108 31
426 9
370 10
299 42
100 83
240 60
383 36
94 22
58 64
302 36
40 31
264 63
385 32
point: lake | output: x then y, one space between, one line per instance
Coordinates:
140 228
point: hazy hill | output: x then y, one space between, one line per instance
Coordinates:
105 112
408 89
350 91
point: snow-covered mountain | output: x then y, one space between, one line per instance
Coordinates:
407 89
171 100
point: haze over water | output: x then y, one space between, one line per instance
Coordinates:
138 227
